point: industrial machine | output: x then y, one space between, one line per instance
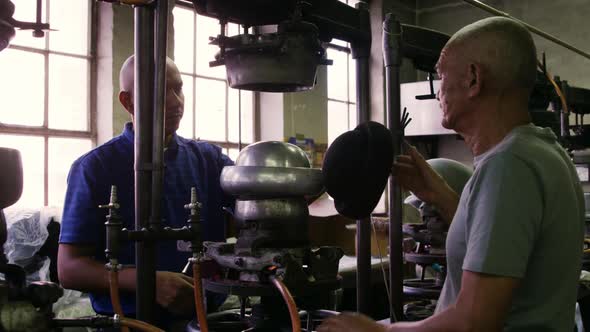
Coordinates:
270 181
272 257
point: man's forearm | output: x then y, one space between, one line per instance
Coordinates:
88 275
446 321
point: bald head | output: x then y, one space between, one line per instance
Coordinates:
127 73
174 104
504 47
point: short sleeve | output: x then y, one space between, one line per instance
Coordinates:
80 224
506 208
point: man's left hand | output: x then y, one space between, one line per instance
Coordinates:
351 322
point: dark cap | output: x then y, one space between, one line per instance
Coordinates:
356 168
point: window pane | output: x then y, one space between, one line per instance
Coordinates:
70 19
26 10
22 94
233 154
337 119
62 153
351 79
186 124
247 124
233 29
352 123
32 152
337 75
184 31
68 93
210 109
207 27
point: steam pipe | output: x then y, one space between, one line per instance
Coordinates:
392 56
198 293
114 292
361 52
145 253
159 112
291 305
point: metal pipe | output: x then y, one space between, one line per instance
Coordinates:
144 109
159 111
360 52
392 57
363 226
533 29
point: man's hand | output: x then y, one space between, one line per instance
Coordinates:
174 291
414 174
351 322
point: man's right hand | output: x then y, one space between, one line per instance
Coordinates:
175 292
414 174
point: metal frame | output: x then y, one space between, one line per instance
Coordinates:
44 131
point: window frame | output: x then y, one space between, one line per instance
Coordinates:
44 131
227 145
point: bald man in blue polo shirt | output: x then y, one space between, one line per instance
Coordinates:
188 163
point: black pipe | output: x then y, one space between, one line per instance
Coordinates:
159 111
361 52
145 254
392 57
94 321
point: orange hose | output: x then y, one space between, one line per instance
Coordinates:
295 321
199 304
556 87
114 292
138 325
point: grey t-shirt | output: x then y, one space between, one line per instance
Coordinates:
521 215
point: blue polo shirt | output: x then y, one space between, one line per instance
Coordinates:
188 163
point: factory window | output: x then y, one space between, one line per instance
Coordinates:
214 112
341 87
46 108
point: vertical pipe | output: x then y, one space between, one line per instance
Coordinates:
159 110
143 123
363 226
361 53
392 57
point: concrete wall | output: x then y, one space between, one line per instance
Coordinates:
565 19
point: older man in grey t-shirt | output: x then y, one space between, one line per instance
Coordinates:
521 215
515 239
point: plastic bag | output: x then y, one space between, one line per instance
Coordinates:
27 232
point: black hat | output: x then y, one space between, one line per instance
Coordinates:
356 167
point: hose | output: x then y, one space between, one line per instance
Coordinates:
199 304
295 321
556 87
114 292
138 325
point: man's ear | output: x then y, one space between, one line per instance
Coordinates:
475 79
126 100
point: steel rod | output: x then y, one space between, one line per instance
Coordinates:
159 110
363 226
533 29
361 49
392 56
143 126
